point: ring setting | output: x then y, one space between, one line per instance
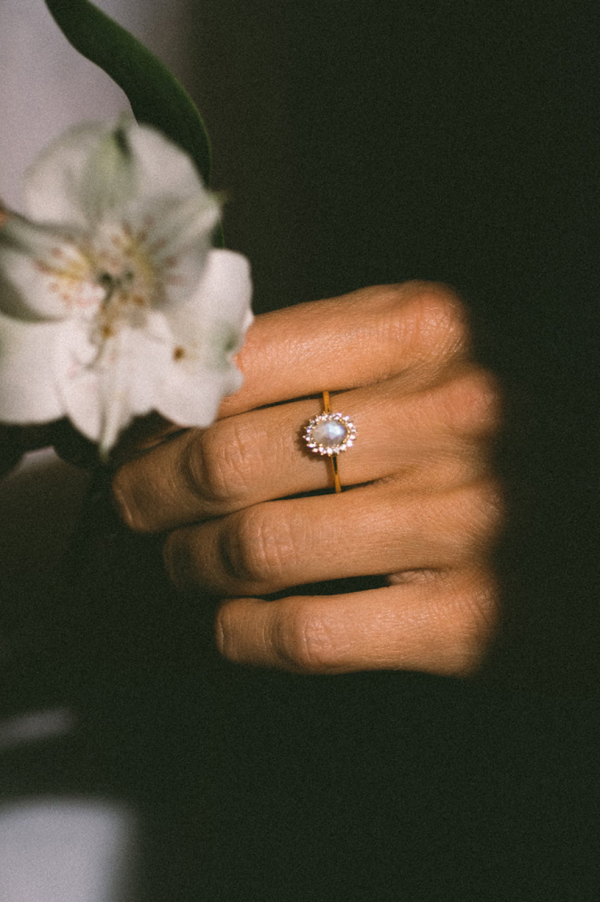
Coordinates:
329 434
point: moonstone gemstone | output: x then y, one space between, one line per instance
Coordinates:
328 433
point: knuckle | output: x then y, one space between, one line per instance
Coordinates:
483 516
226 632
217 464
460 622
472 403
304 639
128 505
256 549
437 318
473 623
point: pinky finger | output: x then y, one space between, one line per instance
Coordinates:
442 628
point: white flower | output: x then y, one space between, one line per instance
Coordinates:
112 302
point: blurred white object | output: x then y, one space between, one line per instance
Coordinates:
66 850
35 726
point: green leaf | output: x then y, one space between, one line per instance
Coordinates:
155 95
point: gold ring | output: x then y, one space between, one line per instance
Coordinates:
329 434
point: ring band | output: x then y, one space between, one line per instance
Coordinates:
329 434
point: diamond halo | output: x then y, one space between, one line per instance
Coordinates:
329 434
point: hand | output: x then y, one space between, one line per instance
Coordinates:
420 505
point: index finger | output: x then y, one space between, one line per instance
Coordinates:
364 337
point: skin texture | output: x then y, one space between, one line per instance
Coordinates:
420 504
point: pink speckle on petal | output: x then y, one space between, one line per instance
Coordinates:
74 368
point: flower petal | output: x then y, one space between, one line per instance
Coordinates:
209 331
96 168
174 236
191 397
55 185
104 389
110 177
163 168
215 319
76 378
43 271
28 392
